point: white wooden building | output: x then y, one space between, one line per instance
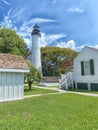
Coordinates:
12 69
86 69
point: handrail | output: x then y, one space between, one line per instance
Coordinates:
66 80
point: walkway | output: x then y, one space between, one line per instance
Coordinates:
86 94
59 92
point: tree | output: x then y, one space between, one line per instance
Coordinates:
38 76
12 43
56 60
33 75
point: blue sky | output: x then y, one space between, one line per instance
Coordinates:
64 23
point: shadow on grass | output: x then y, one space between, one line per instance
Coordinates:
26 88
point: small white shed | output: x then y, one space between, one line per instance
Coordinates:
86 69
12 69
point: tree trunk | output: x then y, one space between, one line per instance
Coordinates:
30 85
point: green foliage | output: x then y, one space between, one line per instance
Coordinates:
33 75
51 112
12 43
55 60
38 76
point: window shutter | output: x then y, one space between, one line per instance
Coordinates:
82 67
92 67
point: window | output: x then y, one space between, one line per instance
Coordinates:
94 86
92 67
87 67
82 86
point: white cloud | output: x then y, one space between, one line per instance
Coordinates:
75 9
45 39
69 44
61 44
37 20
23 34
16 15
13 16
41 20
26 28
6 2
9 12
19 14
49 39
7 22
24 31
28 41
54 1
80 47
96 46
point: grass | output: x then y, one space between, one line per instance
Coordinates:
85 91
55 112
36 90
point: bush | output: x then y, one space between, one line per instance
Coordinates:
33 76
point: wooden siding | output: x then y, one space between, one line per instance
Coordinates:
85 55
11 86
92 67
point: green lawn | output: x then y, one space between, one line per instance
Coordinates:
51 112
85 91
36 90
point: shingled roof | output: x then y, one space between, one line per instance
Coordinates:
51 79
8 61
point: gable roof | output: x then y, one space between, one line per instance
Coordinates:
84 50
8 61
91 48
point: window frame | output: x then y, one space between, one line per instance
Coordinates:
87 67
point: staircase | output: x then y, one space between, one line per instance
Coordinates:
66 81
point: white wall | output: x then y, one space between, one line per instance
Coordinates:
11 86
86 54
36 55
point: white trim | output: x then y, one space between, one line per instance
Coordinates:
14 70
8 100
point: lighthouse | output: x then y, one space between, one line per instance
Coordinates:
36 54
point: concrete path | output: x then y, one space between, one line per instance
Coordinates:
37 95
65 91
86 94
59 92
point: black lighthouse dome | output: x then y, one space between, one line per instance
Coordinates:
36 30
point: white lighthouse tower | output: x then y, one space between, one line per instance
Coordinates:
36 54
